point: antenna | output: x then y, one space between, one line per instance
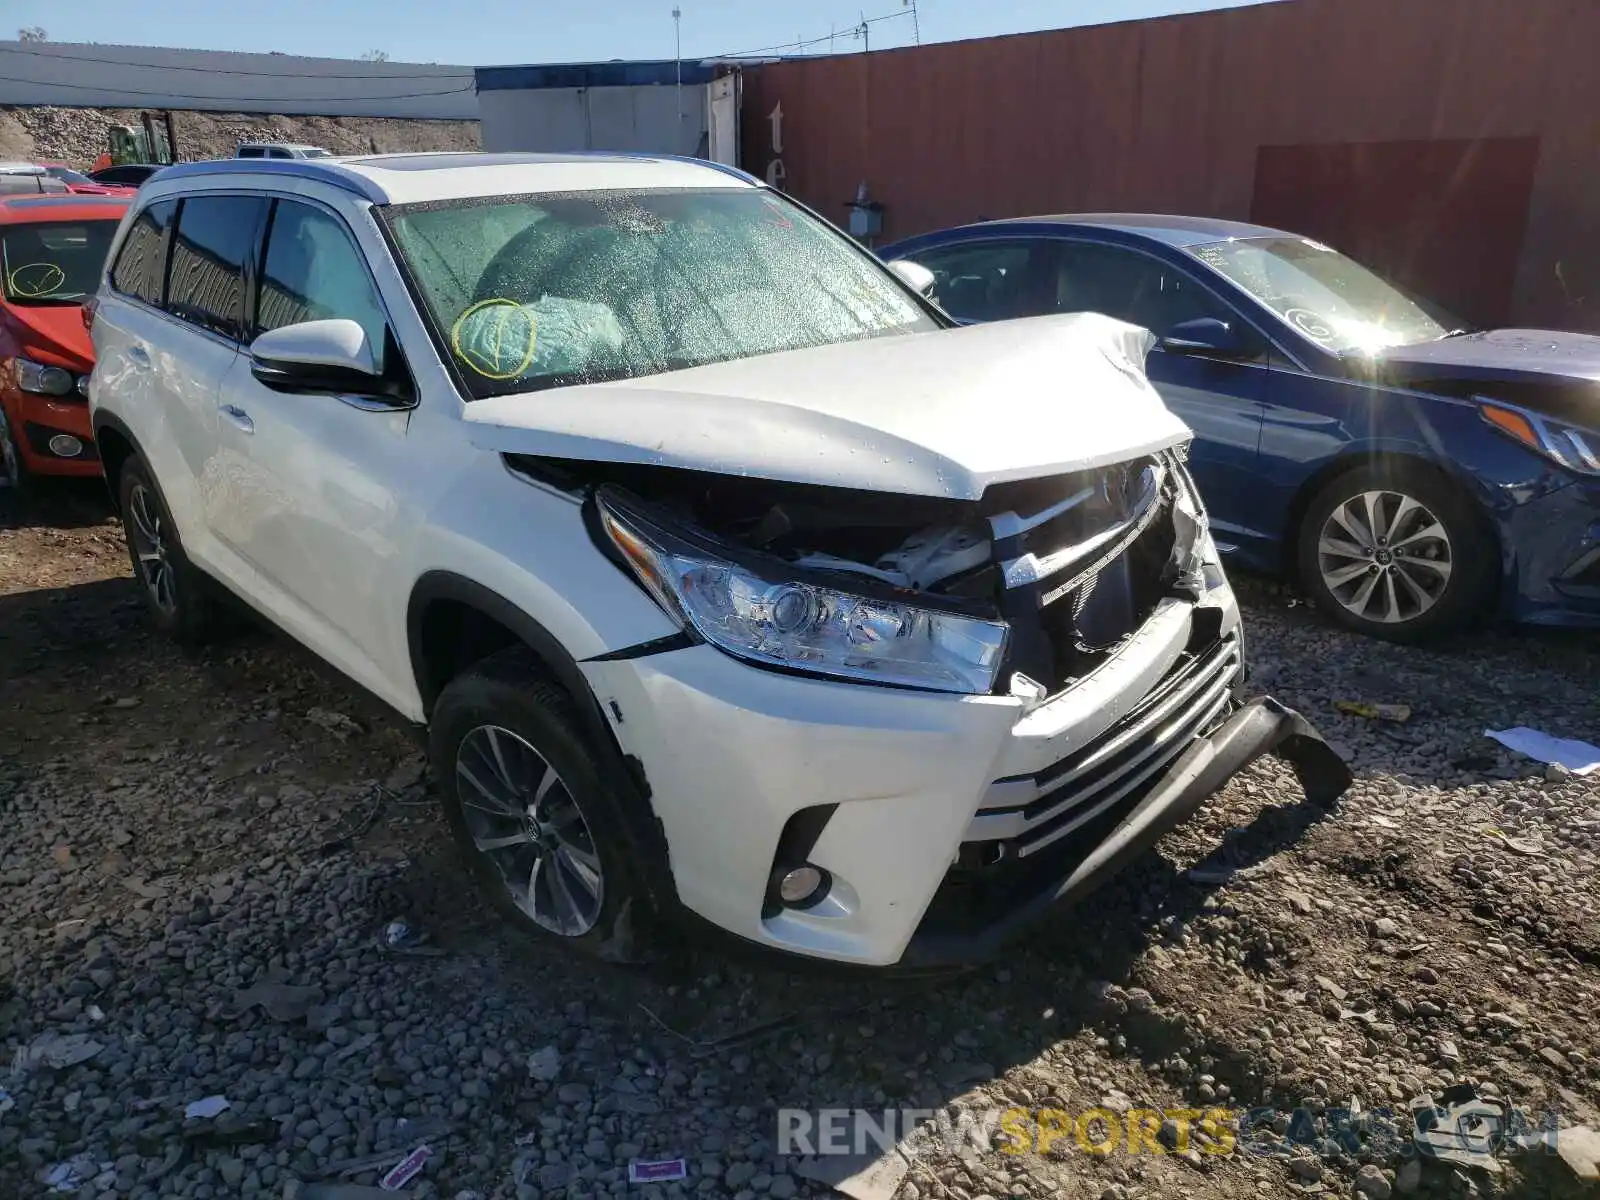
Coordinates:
916 25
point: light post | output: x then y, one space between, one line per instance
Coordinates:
677 37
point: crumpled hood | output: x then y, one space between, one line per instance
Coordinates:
1548 355
944 413
56 330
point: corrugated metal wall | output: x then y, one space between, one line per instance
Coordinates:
91 75
1170 114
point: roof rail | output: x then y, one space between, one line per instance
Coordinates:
319 170
715 166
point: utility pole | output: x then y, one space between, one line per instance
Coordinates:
864 31
677 39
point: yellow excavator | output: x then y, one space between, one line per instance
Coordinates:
153 143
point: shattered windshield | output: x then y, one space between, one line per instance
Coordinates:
55 262
1331 299
583 287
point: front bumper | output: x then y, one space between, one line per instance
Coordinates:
892 792
1554 544
1259 727
36 420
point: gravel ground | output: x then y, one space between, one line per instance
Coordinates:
201 856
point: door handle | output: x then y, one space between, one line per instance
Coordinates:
138 353
239 417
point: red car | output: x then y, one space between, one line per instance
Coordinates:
52 251
81 184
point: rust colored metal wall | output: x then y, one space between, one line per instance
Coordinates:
1170 115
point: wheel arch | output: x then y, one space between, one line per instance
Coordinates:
453 621
115 443
1354 460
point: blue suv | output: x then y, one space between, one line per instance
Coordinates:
1412 474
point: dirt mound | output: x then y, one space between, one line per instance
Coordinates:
78 135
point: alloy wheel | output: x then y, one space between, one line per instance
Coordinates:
1385 557
523 818
150 549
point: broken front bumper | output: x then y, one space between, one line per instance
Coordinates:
889 791
1259 727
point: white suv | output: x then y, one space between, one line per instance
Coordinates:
726 577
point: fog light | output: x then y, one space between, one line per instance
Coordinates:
801 885
64 445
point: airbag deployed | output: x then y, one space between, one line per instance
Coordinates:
501 339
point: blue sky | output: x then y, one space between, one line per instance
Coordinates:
481 32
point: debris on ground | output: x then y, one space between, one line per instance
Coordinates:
405 937
1578 757
1397 713
407 1169
657 1170
858 1176
545 1065
282 1002
54 1050
1579 1148
335 723
353 832
73 1175
417 1134
205 1109
1459 1126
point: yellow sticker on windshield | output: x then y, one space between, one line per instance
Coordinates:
32 280
496 338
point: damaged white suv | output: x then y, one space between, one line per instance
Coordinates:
727 579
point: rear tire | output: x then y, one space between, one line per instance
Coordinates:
524 798
1399 552
180 599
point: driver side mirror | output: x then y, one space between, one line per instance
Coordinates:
915 276
333 357
1208 335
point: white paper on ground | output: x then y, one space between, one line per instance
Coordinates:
1578 757
204 1110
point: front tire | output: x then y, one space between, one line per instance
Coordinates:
1397 551
523 796
178 597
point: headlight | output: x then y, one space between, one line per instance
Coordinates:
762 617
1574 448
43 380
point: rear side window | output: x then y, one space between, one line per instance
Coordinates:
216 235
251 152
143 258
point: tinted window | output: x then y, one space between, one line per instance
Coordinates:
205 283
312 271
985 281
251 152
1131 287
142 260
53 263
